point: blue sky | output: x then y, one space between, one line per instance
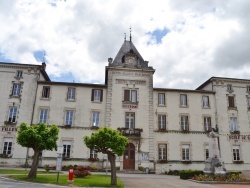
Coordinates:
187 42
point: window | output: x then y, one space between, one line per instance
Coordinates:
69 117
248 89
43 116
66 149
205 101
229 87
96 95
161 98
130 120
248 102
93 154
236 153
162 122
7 146
130 95
233 124
185 152
207 123
12 114
162 152
207 151
16 89
46 92
183 98
184 123
95 119
19 74
71 93
231 101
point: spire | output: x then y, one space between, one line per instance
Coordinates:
130 33
124 36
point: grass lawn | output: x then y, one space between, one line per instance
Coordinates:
12 171
95 180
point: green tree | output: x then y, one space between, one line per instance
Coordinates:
110 142
38 137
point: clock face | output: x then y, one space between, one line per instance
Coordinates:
130 60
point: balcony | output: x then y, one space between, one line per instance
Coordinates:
130 132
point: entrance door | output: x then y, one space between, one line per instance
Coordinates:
129 157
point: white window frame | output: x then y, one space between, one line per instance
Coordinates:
236 153
248 102
95 119
46 92
130 120
7 145
12 116
185 152
16 89
69 115
71 93
184 123
162 121
67 145
132 95
93 154
97 95
206 151
162 151
205 101
248 89
161 99
233 124
19 74
43 116
207 123
229 87
183 100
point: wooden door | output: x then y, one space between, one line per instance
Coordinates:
129 157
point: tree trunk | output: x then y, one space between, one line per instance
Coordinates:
111 158
33 170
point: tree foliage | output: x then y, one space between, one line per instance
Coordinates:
38 137
110 142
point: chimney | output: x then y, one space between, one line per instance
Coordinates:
44 66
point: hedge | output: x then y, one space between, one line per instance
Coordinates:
188 174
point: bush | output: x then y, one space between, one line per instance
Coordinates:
82 171
173 172
188 174
141 168
227 178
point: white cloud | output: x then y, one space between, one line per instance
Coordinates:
206 38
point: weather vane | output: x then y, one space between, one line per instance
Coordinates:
124 36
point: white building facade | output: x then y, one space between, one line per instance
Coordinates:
167 128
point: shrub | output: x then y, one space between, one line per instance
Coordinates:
188 174
228 178
141 168
82 171
173 172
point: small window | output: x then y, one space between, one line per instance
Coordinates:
229 87
95 119
233 124
162 152
19 74
207 123
207 151
161 98
248 89
43 116
97 95
162 122
248 102
183 100
231 101
130 120
93 154
236 153
66 149
205 100
7 145
130 95
185 152
69 117
12 114
71 93
184 123
46 92
16 89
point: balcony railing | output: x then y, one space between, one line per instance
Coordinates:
130 132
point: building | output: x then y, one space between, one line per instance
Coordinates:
167 128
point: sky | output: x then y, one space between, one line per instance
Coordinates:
185 41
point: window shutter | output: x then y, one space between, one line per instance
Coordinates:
126 95
231 101
101 95
92 95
